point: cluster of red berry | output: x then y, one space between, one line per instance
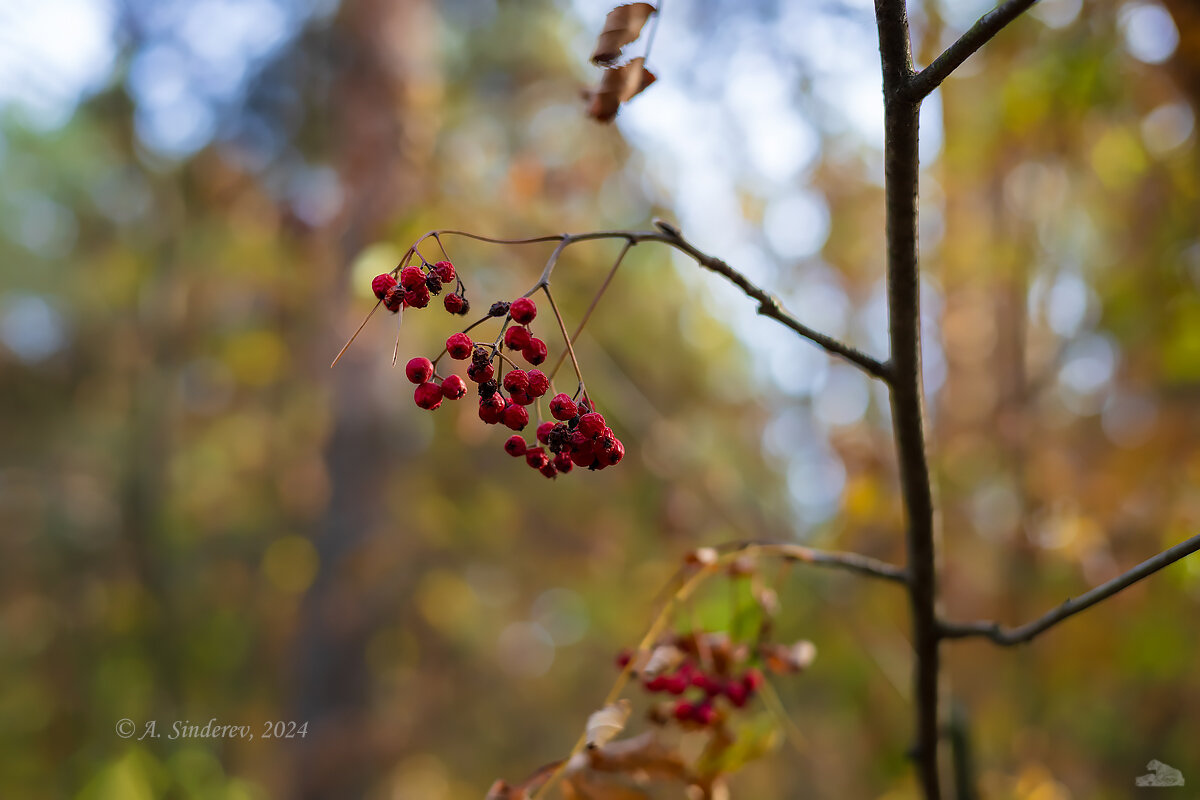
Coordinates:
577 437
718 682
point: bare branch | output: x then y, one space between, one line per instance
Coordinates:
850 562
987 26
1012 636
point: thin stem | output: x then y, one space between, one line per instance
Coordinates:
567 339
1026 632
987 26
592 306
653 31
350 341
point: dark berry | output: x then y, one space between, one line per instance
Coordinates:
481 374
536 458
418 297
428 396
515 446
459 346
453 303
381 283
591 425
491 409
563 463
412 277
419 370
498 309
517 338
558 438
434 284
535 352
466 306
394 298
453 388
562 407
444 270
523 311
488 389
515 416
539 384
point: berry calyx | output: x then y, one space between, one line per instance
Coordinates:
428 395
517 338
419 370
562 407
459 346
535 352
453 303
381 283
454 388
444 270
515 446
523 310
412 277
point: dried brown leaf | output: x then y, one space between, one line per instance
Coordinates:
663 658
622 26
701 557
782 659
617 86
604 725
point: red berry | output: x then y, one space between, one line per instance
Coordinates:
610 458
623 658
516 381
453 388
515 416
676 684
418 297
591 425
522 399
481 374
428 395
543 431
562 407
453 303
736 693
517 338
538 383
578 443
563 463
702 681
523 310
515 446
394 298
656 684
419 370
535 352
536 458
381 283
459 346
444 270
491 409
412 277
548 470
752 680
684 710
704 714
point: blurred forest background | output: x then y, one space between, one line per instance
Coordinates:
199 519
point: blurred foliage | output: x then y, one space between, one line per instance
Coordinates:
200 520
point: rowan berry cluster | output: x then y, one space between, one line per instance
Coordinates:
578 435
706 672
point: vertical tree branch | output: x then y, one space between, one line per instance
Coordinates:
904 307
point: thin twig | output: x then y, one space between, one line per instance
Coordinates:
987 26
583 321
1011 636
562 327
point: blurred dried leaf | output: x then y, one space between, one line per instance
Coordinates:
767 599
618 85
701 557
622 26
661 659
605 724
783 659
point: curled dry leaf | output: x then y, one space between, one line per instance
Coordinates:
782 659
663 658
605 724
622 25
767 599
617 86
